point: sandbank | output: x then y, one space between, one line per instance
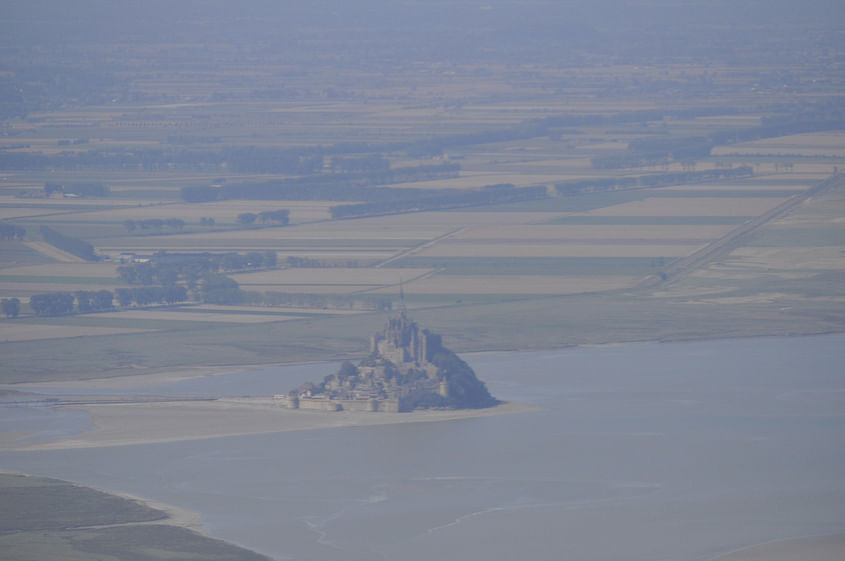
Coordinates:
148 422
149 378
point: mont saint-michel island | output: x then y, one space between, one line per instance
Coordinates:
408 368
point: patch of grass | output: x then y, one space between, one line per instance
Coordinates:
49 504
51 519
471 325
566 266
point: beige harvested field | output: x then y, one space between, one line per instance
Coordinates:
557 249
473 180
771 298
721 187
562 168
174 315
326 252
820 258
20 331
49 205
569 232
448 221
93 270
144 423
513 284
347 230
222 212
9 211
714 206
317 289
329 276
812 144
30 287
280 310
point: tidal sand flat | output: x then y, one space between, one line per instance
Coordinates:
636 452
813 548
146 422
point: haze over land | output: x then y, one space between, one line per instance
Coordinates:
192 188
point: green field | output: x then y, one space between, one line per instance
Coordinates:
51 519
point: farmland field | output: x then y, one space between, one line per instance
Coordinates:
192 189
562 185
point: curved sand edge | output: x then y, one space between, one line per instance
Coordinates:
126 424
174 515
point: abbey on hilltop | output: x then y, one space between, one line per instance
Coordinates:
408 368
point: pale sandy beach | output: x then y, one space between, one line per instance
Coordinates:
121 424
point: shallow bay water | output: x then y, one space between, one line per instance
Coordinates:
639 452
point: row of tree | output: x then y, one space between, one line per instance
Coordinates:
281 216
154 223
11 307
331 187
492 194
76 246
652 151
214 289
11 232
80 189
166 269
62 303
318 301
237 159
52 304
93 301
147 295
579 186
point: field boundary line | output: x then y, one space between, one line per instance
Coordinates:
419 247
728 242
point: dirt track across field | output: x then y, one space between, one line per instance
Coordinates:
54 253
727 243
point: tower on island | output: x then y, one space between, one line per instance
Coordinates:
408 368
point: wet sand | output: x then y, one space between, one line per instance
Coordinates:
815 548
124 424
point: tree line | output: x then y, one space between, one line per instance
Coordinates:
81 189
11 232
239 159
334 186
318 301
62 303
72 245
11 307
166 269
309 160
53 304
440 200
579 186
154 223
281 216
653 151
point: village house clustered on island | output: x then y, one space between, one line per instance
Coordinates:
408 368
